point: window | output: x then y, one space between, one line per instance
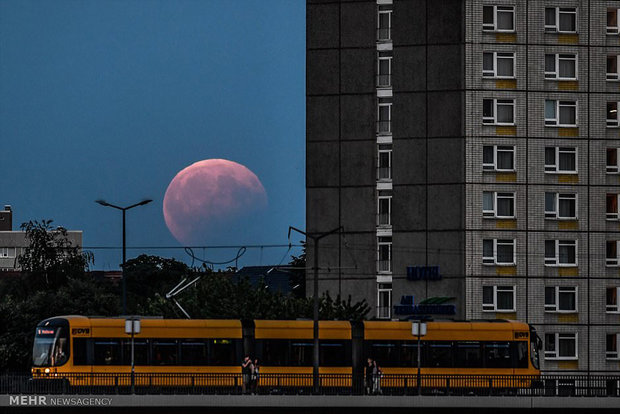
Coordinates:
612 161
498 205
611 254
384 210
561 19
498 252
561 299
384 116
7 252
498 64
560 252
612 300
334 353
384 300
141 351
611 348
561 206
384 69
612 68
497 355
498 18
301 353
498 111
612 115
562 160
193 352
561 346
498 158
384 23
107 351
164 352
498 298
612 21
612 207
384 164
561 67
560 113
384 264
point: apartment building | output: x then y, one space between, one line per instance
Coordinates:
469 151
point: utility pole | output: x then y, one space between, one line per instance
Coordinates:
315 356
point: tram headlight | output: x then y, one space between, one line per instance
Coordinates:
47 370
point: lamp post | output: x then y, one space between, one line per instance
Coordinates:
315 354
123 209
418 328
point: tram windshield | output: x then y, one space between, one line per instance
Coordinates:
51 345
535 347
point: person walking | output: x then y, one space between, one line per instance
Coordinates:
376 378
246 373
369 377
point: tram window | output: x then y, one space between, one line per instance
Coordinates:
521 351
385 353
141 352
275 351
79 351
107 352
301 353
164 352
497 355
222 352
468 354
193 352
439 354
335 353
409 354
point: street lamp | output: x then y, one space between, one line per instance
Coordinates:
123 209
315 357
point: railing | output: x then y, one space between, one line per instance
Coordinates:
384 34
383 81
384 312
384 266
384 127
384 173
330 384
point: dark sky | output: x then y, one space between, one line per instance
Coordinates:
110 99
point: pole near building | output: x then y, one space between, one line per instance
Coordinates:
315 301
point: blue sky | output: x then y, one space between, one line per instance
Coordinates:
110 99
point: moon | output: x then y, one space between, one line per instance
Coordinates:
211 197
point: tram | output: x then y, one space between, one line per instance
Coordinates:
67 346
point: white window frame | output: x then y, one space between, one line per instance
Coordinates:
389 166
559 105
612 354
379 261
612 307
384 103
555 307
555 28
612 169
496 102
613 76
614 215
5 252
494 306
492 261
384 56
613 30
388 29
612 109
555 73
495 165
555 215
555 260
612 261
554 354
492 27
389 208
555 168
384 288
492 73
494 213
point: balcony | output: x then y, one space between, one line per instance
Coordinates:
384 81
384 127
384 34
384 266
384 312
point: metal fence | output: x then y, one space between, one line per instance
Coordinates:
330 384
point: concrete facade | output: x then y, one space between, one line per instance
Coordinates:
440 179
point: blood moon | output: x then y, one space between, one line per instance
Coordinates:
208 197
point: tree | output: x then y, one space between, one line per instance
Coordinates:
49 256
298 273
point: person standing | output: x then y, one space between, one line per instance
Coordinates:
255 377
246 372
369 377
376 378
